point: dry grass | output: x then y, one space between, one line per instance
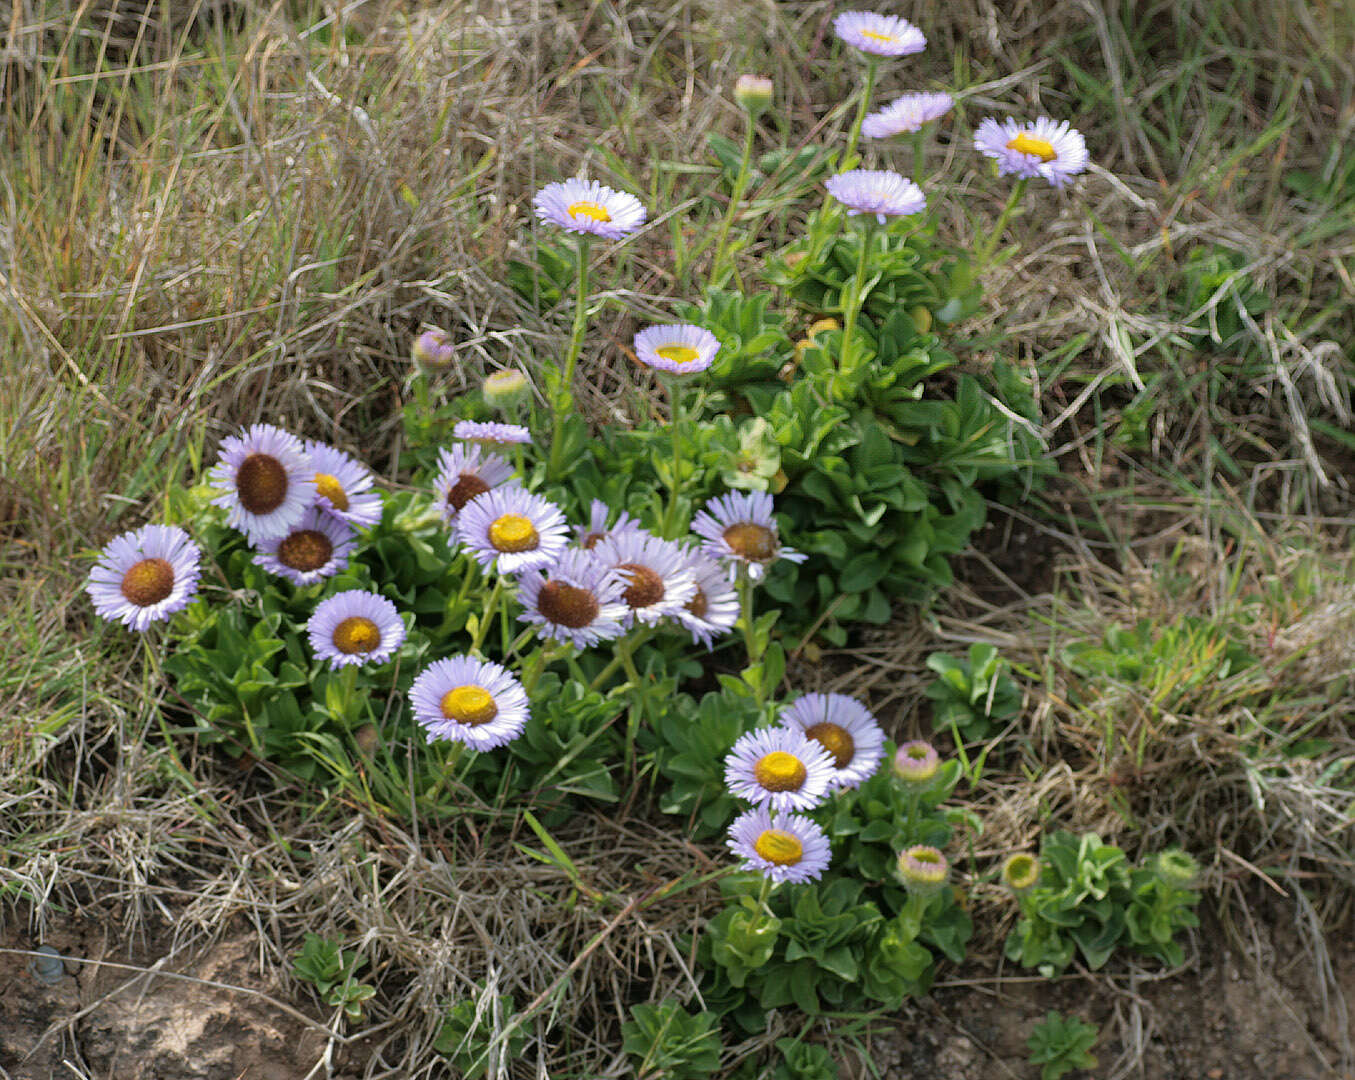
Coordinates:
245 211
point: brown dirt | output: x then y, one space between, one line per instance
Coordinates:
99 1021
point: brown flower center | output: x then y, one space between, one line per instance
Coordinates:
305 550
645 588
467 486
592 540
331 489
780 771
512 533
356 635
469 705
148 582
756 543
698 605
261 483
836 740
779 846
567 604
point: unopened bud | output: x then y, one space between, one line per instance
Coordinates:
504 390
753 93
916 763
923 870
433 348
1021 872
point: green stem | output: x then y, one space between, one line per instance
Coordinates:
564 398
919 153
855 133
625 648
986 252
633 713
735 198
486 616
750 644
454 756
846 359
675 409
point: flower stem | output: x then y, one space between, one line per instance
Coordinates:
486 616
750 642
735 198
846 362
563 397
986 252
919 153
855 134
624 649
675 422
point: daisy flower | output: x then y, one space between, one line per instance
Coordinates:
269 481
880 192
1045 148
511 530
577 600
780 767
476 702
491 432
343 486
881 35
315 548
846 729
923 869
682 349
782 847
597 528
354 627
905 114
144 576
465 472
585 206
657 581
738 526
714 608
916 762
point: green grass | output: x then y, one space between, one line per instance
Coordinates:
222 220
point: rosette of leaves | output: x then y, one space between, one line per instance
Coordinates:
1089 900
473 1034
974 697
1060 1044
333 972
665 1042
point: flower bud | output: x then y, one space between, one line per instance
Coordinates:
1177 868
505 390
753 93
923 870
433 349
916 763
1021 872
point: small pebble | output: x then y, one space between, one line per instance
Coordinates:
48 968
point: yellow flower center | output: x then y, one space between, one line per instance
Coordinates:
875 35
261 483
306 550
588 209
512 533
779 846
331 489
356 635
678 354
567 605
148 582
756 543
836 740
780 771
1026 143
469 705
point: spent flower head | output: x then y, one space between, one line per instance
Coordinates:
738 527
577 600
268 481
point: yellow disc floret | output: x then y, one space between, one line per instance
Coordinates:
356 635
512 533
780 771
331 489
469 705
1026 143
588 209
779 846
678 354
